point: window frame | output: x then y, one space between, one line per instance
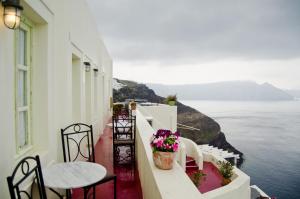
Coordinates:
27 26
95 93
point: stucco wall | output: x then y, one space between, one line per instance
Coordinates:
161 184
163 116
157 183
63 30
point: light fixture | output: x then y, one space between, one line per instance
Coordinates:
12 13
95 72
87 66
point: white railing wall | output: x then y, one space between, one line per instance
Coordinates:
239 188
163 116
157 183
175 184
192 150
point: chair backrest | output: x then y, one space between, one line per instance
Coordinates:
78 143
124 127
29 168
123 112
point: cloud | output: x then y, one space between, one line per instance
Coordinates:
281 73
193 31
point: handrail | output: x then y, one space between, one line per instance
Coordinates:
187 127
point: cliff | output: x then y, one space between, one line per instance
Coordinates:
209 131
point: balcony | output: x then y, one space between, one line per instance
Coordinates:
128 182
149 182
212 179
175 183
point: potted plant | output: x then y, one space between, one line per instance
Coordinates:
117 108
171 100
164 144
197 177
133 105
226 169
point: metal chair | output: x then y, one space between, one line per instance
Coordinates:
123 112
27 168
79 138
124 133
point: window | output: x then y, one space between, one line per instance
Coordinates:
23 86
95 93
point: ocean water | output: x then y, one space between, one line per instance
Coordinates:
268 133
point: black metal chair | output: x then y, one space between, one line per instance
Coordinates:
124 133
79 137
27 168
123 112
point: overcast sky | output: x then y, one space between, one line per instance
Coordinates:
197 41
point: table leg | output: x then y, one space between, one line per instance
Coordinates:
94 192
68 194
85 193
60 196
115 187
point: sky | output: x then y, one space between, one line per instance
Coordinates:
202 41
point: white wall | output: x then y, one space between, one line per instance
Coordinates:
238 188
157 183
62 29
161 184
164 116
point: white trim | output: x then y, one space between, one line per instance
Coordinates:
21 108
22 67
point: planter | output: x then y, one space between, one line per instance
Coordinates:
225 181
172 103
164 160
133 106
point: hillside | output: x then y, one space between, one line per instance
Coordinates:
294 93
210 131
234 90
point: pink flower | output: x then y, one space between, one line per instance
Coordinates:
175 147
165 140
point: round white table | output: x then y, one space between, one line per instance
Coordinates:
73 175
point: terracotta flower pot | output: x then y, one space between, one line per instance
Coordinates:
164 160
133 106
226 181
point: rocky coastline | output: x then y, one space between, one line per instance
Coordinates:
208 130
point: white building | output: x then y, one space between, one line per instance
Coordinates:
43 82
54 71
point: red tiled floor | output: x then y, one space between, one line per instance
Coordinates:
211 181
128 182
213 178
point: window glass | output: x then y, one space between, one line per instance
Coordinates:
22 129
22 47
22 88
95 93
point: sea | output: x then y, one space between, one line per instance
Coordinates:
268 133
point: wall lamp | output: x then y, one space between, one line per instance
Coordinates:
12 13
96 72
87 66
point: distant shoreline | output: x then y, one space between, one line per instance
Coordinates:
224 100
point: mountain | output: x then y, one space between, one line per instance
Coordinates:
234 90
208 130
294 93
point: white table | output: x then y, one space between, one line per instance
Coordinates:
73 175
